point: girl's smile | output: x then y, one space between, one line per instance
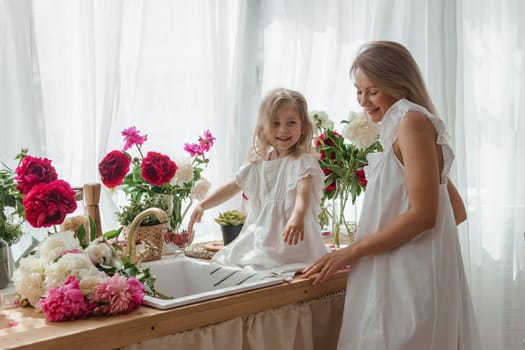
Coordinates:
284 130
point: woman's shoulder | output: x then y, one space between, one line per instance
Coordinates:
403 106
397 112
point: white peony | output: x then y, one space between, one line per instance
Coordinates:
321 119
200 190
29 278
88 284
360 130
56 245
71 264
184 171
101 253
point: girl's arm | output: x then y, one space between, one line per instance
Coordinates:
460 213
294 229
219 196
416 149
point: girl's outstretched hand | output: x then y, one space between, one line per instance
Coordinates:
196 216
328 264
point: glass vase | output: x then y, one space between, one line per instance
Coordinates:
342 228
4 264
177 241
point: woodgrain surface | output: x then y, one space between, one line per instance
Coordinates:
23 328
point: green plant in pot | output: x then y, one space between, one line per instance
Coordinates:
231 223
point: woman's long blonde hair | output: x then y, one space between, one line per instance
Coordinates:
390 66
261 147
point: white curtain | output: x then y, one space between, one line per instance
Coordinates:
74 73
472 56
20 94
490 126
171 68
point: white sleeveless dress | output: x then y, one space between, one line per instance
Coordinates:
414 297
271 188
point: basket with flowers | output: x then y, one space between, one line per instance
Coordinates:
156 180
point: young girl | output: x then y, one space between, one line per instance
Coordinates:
406 287
283 183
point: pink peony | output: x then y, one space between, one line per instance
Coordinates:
65 302
132 137
118 295
206 141
194 149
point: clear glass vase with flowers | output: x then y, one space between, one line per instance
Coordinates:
155 178
343 157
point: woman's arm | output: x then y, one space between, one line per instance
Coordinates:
460 213
416 149
219 196
294 229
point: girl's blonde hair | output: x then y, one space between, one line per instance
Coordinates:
261 147
390 66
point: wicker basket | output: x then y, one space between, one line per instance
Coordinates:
155 234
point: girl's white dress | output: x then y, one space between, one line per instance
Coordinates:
271 188
415 296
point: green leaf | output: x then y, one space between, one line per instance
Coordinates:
112 234
92 229
81 235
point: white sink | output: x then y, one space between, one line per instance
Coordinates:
189 281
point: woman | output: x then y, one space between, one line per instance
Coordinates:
406 287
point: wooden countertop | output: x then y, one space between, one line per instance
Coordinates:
23 328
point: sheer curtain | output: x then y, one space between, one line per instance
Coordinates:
20 96
173 69
73 74
309 46
472 57
490 128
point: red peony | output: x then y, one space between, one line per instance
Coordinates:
33 171
323 140
113 168
331 186
48 204
158 169
361 177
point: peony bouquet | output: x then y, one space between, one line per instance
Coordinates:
66 281
342 159
68 278
144 178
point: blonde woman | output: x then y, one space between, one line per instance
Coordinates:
406 287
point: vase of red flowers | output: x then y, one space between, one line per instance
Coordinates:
343 157
143 178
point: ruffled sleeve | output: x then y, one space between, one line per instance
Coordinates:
247 179
399 110
305 165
